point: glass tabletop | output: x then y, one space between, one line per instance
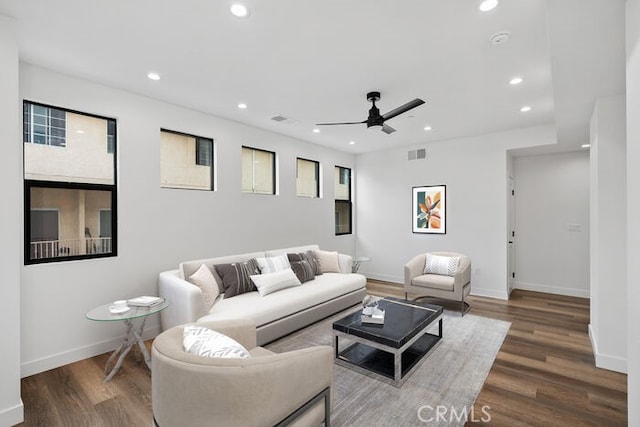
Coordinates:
102 313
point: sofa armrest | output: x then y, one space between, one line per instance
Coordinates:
241 330
414 268
186 304
345 263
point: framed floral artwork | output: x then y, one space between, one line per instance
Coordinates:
429 209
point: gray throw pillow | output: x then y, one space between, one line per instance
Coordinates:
236 277
308 256
304 271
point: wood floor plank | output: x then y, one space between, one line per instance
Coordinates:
543 375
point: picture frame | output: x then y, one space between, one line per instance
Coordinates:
429 209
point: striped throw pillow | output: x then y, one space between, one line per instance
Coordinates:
206 342
442 265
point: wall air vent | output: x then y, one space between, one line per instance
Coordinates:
420 153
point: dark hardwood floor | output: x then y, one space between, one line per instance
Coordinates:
543 375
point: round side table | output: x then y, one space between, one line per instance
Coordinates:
132 336
355 266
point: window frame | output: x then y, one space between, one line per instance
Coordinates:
317 165
347 201
273 171
28 184
30 123
211 166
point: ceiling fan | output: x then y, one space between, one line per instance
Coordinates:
375 119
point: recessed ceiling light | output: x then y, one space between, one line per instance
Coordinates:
585 146
525 109
487 5
352 142
515 81
242 106
239 10
153 76
80 131
427 128
316 130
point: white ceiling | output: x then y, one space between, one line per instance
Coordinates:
314 61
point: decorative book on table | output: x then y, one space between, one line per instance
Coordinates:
145 301
372 315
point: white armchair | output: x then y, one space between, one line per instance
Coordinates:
452 287
264 389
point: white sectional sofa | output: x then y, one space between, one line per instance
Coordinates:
276 314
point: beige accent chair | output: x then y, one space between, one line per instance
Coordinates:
432 285
266 389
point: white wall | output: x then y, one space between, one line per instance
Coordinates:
633 210
475 172
552 223
158 228
11 411
607 327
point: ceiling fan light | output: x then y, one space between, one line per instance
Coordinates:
374 127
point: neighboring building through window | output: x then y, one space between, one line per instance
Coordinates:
44 125
307 178
343 200
186 161
70 184
258 171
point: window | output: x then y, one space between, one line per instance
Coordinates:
44 125
70 194
186 161
343 200
307 178
258 171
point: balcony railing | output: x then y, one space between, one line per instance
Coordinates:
70 247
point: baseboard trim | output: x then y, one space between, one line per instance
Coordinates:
13 415
64 358
384 277
606 361
490 293
537 287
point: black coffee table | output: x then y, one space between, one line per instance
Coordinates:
391 350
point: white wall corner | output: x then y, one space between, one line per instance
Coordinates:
13 415
606 361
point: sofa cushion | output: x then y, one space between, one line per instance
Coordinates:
443 265
434 281
271 282
205 342
287 301
328 261
303 270
236 277
203 278
273 264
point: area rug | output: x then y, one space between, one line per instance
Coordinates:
440 391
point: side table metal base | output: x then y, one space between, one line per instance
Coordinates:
132 337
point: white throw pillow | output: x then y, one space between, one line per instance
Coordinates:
273 264
442 265
206 342
203 278
328 261
271 282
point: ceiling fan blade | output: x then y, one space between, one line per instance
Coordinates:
341 123
387 129
403 108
